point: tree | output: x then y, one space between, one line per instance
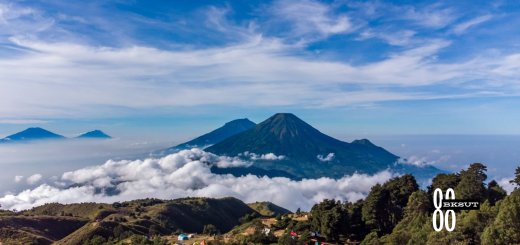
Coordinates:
376 214
284 222
330 218
471 185
153 230
443 182
287 239
357 228
384 206
118 231
259 236
304 238
516 180
210 230
278 217
495 192
371 239
506 227
247 218
96 240
416 224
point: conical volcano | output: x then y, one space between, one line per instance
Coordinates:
308 152
98 134
33 134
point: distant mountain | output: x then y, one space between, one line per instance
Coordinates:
33 134
98 134
229 129
308 152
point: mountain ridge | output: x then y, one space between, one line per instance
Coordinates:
228 129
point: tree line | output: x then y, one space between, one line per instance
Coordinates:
398 212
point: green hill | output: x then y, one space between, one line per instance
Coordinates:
84 210
75 223
38 229
268 209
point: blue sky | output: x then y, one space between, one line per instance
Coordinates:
160 69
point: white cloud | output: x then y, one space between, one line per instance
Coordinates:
432 16
422 161
462 27
311 17
16 20
187 173
328 158
33 179
18 178
398 38
268 156
504 182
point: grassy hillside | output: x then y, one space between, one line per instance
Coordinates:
75 223
83 210
268 209
21 229
192 214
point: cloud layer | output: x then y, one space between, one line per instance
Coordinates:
187 173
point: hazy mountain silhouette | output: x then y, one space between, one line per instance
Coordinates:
229 129
33 134
308 152
98 134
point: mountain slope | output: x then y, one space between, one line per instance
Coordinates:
75 223
268 209
38 229
229 129
309 153
33 134
94 134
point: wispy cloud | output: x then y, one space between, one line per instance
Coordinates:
398 38
266 59
249 73
433 16
22 121
423 161
462 27
311 17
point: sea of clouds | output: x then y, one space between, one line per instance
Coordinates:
187 173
